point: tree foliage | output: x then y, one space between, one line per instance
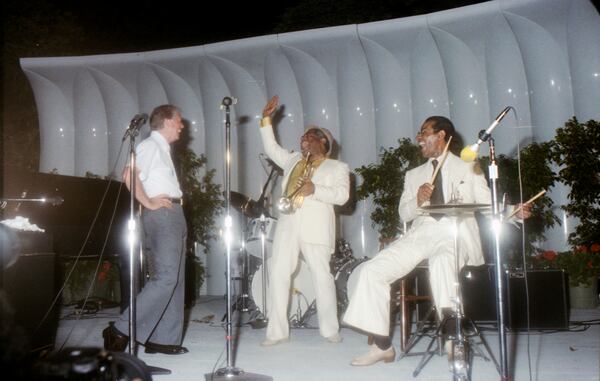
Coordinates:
536 175
384 182
576 150
202 199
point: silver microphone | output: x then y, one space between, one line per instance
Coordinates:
469 153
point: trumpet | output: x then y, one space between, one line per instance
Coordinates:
288 204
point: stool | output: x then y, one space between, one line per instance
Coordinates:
403 300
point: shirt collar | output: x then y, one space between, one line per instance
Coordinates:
162 142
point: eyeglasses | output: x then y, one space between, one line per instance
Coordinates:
426 131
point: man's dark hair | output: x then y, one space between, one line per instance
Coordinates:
159 114
441 123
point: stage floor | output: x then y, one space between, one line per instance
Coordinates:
565 355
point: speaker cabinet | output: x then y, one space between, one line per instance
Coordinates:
30 287
478 285
547 297
547 300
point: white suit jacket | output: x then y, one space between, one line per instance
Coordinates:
332 185
465 180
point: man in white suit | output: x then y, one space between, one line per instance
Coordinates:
309 229
429 237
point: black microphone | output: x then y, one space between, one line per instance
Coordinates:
469 153
228 101
271 163
135 125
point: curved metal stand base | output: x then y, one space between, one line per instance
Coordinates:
230 373
154 370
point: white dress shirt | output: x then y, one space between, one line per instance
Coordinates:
156 170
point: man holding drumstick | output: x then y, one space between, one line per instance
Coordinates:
429 237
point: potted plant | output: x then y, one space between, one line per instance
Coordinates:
535 170
384 181
576 151
202 203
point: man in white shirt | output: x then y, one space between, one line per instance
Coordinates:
161 301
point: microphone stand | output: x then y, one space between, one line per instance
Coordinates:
230 372
262 321
132 133
496 227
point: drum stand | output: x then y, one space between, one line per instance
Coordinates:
460 356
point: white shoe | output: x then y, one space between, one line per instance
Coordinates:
448 347
335 339
270 342
374 355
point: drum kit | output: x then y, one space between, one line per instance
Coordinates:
255 259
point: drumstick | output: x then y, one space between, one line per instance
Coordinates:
527 202
444 154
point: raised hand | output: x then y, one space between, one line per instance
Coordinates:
271 106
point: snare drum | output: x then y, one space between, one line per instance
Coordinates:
253 242
345 281
301 290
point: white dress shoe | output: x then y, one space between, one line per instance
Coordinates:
270 342
336 338
374 355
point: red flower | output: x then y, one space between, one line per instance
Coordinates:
582 249
590 265
595 247
549 255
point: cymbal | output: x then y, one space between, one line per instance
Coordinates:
246 205
453 209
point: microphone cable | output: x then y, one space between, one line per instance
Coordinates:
523 255
80 253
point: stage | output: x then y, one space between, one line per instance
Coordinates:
560 356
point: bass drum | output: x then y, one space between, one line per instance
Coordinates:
302 293
345 281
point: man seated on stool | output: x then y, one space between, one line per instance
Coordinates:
429 237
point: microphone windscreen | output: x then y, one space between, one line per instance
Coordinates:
468 154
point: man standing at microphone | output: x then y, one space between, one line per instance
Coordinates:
312 184
160 303
429 237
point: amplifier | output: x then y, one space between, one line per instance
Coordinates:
547 300
547 297
30 287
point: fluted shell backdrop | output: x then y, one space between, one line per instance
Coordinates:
370 84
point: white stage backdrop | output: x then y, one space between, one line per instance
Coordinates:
370 84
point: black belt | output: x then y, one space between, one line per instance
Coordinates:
176 200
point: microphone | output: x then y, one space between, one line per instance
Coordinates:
271 163
135 125
469 153
228 101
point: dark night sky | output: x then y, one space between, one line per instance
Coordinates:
47 28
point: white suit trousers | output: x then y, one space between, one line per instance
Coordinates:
287 246
369 307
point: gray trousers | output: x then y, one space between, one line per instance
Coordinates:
160 303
